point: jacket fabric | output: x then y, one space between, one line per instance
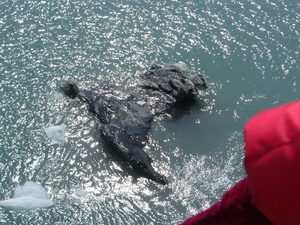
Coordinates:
272 162
270 194
234 208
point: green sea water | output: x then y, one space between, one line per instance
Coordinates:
247 49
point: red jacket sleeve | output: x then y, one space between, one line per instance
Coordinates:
234 208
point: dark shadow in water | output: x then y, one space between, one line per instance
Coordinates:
186 107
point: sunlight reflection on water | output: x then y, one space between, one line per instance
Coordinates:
245 49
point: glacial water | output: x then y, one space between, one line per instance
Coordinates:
248 50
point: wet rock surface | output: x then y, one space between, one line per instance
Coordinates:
124 122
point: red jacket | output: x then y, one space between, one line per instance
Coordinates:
271 192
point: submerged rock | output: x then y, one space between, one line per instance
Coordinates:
125 122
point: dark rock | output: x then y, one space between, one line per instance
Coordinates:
70 89
125 122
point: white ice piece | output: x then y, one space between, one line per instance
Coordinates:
29 196
182 66
141 102
28 202
57 96
56 132
81 192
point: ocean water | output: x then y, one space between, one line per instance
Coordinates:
247 49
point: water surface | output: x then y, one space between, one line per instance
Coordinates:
248 50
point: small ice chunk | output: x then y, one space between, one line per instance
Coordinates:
182 66
28 196
57 96
56 132
27 202
30 189
141 102
81 192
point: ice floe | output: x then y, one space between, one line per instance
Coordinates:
81 192
29 196
57 132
